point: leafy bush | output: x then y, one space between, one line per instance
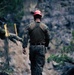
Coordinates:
59 58
10 6
63 55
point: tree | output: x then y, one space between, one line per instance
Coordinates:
11 7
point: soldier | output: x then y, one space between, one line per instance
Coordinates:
38 33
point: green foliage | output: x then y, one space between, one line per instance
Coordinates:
12 11
4 68
63 56
10 6
7 71
59 58
70 47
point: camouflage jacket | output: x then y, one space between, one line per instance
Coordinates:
37 33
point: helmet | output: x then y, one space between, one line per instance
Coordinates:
37 12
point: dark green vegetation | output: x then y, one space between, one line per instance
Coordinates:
11 11
11 7
64 58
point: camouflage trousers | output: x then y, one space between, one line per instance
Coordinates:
37 58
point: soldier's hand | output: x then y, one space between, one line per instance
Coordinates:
24 51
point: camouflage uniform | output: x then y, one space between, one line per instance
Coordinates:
38 33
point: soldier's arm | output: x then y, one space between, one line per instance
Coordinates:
25 38
47 36
25 41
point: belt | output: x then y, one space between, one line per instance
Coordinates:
37 43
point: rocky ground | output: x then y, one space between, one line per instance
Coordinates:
20 63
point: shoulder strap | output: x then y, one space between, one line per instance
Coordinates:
43 26
32 25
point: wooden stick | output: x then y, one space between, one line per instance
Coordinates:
15 28
6 31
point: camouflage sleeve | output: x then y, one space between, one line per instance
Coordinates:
47 36
25 38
